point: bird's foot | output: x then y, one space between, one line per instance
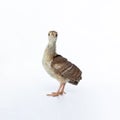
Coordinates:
54 94
61 93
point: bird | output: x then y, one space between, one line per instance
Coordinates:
58 66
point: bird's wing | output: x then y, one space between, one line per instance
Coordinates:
66 69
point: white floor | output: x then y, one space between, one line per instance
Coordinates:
25 98
89 36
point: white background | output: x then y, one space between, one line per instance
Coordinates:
89 36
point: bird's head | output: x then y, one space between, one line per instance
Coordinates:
52 36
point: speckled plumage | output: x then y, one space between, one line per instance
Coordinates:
59 67
66 69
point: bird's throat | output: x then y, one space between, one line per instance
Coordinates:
51 49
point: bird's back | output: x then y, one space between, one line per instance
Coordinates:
66 69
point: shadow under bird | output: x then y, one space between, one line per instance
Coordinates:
59 67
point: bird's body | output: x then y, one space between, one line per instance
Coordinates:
59 67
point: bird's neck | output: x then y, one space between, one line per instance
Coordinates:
51 49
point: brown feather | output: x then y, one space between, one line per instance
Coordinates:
66 69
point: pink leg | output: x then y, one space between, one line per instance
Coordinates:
62 89
59 92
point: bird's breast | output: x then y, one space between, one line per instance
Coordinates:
46 61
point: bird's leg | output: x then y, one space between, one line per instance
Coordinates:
59 92
62 89
54 94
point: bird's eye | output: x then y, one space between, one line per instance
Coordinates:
48 34
56 35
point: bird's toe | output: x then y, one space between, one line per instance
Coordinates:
54 94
